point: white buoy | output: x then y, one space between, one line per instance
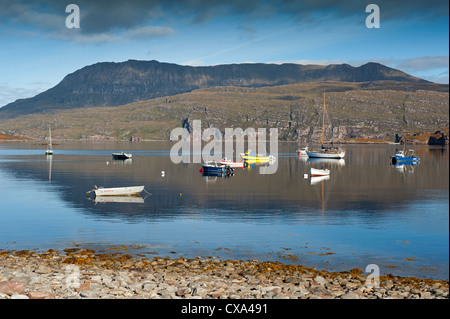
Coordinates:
163 173
305 175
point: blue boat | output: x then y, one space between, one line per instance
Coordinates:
402 157
216 168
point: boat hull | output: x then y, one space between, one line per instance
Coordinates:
121 155
232 164
216 168
404 160
337 155
119 191
258 158
213 169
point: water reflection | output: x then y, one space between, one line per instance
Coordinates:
364 200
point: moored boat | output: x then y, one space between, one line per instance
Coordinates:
327 152
215 167
302 151
121 155
230 163
405 157
252 157
49 150
117 191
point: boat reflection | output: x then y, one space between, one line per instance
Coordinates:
405 168
127 161
317 179
216 174
118 199
334 162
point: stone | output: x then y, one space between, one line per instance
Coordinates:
39 295
182 291
320 280
11 287
350 295
216 294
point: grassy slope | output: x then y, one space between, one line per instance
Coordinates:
353 110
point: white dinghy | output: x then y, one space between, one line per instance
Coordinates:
117 191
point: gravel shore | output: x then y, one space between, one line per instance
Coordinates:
85 274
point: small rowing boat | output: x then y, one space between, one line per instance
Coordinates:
117 191
215 167
319 172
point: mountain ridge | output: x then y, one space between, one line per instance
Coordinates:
119 83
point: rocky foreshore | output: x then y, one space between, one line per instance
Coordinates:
85 274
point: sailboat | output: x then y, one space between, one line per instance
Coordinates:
326 152
49 150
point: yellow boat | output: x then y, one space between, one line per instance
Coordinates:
252 157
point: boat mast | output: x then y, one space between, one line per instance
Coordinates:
50 137
323 117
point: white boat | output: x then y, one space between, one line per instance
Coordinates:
117 191
319 172
326 152
49 151
230 163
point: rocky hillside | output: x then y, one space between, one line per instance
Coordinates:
379 110
113 84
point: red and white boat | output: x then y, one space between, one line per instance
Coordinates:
230 163
302 152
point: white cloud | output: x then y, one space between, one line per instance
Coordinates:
425 63
193 63
149 32
10 94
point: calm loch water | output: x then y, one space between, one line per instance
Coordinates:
367 212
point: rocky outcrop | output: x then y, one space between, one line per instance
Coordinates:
438 138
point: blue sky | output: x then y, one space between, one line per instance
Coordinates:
37 49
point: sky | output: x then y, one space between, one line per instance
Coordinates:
39 45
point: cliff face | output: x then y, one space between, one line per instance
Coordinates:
113 84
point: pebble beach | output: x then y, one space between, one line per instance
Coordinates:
85 274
